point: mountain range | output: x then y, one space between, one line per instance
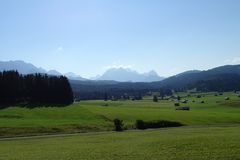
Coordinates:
128 75
28 68
191 77
113 74
220 79
118 82
116 75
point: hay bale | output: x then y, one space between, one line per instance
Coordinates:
227 98
184 101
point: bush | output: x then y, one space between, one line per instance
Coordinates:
177 104
178 98
183 108
118 125
140 124
155 99
202 102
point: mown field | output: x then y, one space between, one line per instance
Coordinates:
198 143
92 116
211 130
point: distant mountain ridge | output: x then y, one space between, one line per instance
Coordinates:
128 75
113 74
28 68
21 66
190 78
220 79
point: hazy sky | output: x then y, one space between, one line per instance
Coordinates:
89 36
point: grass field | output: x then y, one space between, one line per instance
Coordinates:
88 116
211 130
198 143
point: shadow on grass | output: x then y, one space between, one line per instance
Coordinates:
30 105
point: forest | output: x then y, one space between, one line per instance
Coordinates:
34 88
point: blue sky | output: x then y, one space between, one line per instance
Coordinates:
89 36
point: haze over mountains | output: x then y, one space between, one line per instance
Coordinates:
113 74
128 75
28 68
220 79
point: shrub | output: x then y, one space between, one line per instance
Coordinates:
155 99
239 95
177 104
183 108
202 102
178 98
118 125
140 124
199 96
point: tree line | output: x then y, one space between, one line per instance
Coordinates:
89 90
220 83
34 88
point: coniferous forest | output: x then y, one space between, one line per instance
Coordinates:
34 88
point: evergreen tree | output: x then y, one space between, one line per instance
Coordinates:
155 98
34 88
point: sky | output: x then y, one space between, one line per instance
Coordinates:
90 36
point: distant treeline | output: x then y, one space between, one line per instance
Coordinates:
201 82
87 90
34 88
222 83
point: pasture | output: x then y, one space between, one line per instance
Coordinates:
198 143
211 130
97 115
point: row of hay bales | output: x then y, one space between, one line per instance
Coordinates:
186 108
178 101
178 107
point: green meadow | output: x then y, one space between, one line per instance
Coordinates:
97 115
197 143
211 130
